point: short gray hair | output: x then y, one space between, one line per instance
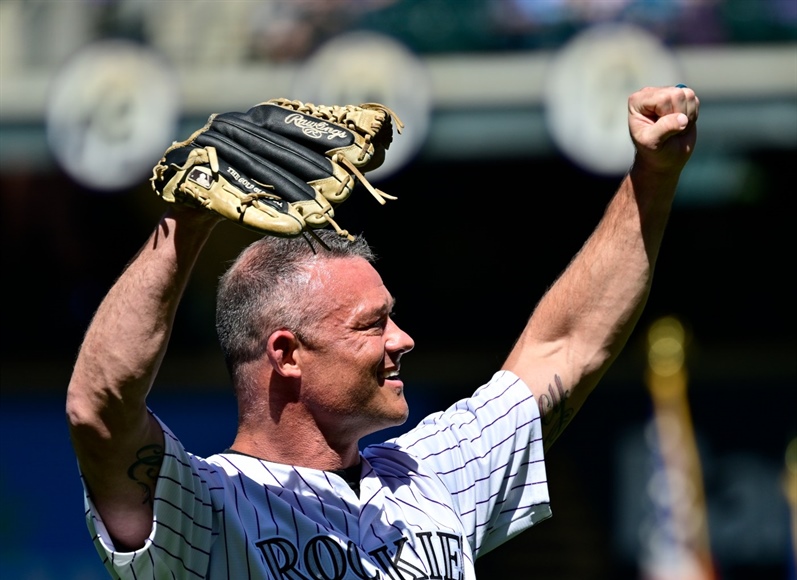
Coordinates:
268 287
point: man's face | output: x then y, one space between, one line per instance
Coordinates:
350 371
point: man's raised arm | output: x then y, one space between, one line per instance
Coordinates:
118 444
584 320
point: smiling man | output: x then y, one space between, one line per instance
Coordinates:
313 322
314 357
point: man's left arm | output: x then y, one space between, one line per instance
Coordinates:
584 320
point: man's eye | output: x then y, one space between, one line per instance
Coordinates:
373 324
382 322
379 323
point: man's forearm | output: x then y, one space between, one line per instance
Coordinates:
609 281
127 338
584 320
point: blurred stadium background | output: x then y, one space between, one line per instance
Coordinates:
515 140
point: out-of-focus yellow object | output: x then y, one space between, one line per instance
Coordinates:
666 379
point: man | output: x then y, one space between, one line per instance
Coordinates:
314 357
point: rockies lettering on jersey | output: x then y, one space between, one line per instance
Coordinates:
324 558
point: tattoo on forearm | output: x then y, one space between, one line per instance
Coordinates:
554 411
145 470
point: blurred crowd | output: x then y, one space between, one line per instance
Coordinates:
41 32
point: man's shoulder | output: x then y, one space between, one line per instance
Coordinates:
503 403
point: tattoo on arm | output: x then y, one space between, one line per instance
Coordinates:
145 469
554 411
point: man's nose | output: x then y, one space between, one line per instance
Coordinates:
399 340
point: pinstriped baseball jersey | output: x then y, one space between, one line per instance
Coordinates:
456 486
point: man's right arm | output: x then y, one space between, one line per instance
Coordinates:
118 444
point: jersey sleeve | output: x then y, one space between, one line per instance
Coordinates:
487 450
182 527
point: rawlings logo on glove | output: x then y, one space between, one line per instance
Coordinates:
314 129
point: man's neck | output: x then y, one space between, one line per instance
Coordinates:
304 449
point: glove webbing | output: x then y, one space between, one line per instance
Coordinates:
378 194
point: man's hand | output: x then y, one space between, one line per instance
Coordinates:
662 124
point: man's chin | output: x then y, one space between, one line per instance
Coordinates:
398 419
389 421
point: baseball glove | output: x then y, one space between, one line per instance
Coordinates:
281 167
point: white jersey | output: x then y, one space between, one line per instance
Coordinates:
456 486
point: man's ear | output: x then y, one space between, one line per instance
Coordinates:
281 351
